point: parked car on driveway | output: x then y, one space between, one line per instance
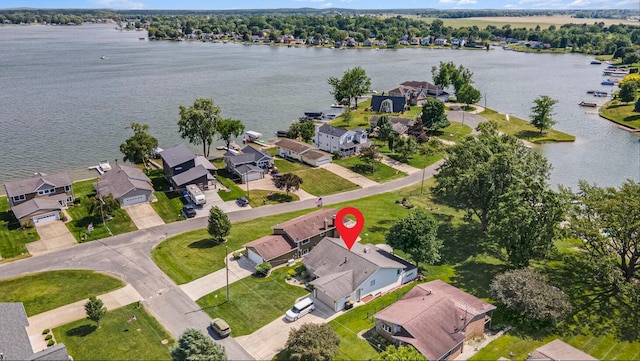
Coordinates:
189 211
221 327
242 201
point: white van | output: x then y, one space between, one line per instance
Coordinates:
196 195
300 309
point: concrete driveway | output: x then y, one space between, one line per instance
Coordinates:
213 199
270 339
349 175
53 236
143 215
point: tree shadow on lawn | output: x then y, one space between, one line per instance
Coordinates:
475 276
381 226
461 241
528 134
204 243
81 331
362 169
279 197
632 118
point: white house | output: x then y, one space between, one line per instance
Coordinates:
346 142
303 152
340 275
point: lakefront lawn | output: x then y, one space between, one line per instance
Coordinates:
383 173
523 129
168 202
621 113
44 291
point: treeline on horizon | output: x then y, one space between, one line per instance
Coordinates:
332 25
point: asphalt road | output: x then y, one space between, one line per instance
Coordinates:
127 256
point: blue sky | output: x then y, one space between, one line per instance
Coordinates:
319 4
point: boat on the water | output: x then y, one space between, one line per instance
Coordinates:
588 104
591 91
314 114
252 135
596 62
607 82
102 167
282 133
600 93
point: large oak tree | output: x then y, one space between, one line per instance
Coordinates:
198 123
416 235
353 84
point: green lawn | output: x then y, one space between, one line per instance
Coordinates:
416 160
261 197
254 301
116 338
383 172
458 130
289 166
83 188
524 130
169 203
621 113
46 291
234 190
12 237
321 182
121 223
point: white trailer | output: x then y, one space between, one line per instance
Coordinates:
196 195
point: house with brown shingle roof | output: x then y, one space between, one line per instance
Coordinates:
302 152
294 238
557 350
435 318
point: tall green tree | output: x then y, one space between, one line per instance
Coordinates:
433 116
95 309
636 106
406 147
347 116
219 224
289 182
312 342
479 170
137 149
193 345
370 155
303 130
227 128
526 222
467 95
353 84
542 113
198 123
628 91
384 127
101 205
402 353
416 235
447 74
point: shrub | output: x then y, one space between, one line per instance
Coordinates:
237 255
46 331
304 274
48 337
301 268
263 269
51 343
292 272
287 277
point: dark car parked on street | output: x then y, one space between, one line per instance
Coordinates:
189 211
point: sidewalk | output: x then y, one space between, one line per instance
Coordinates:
349 175
238 269
75 311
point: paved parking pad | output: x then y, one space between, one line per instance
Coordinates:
143 215
53 236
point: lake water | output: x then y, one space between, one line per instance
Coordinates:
63 108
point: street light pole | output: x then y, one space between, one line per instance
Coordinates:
422 184
226 262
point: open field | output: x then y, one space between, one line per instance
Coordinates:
117 339
527 21
45 291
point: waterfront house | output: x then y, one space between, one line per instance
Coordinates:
39 199
425 41
399 125
416 92
14 339
435 318
126 184
249 165
333 139
440 41
388 103
294 238
340 275
181 167
302 152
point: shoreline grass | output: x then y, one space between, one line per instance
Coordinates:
621 113
523 129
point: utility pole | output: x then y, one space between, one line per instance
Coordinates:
422 184
226 262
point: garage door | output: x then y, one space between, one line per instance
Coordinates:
46 218
134 200
254 257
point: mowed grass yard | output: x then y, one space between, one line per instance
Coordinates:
44 291
524 130
169 203
12 237
621 113
383 173
117 339
316 181
254 301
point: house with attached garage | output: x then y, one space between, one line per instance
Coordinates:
39 199
340 275
294 238
333 139
302 152
127 184
435 318
249 165
399 126
181 167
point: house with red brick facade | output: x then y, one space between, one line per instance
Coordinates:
435 318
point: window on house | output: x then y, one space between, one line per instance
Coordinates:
19 198
305 241
386 327
399 271
67 188
373 282
322 234
46 191
305 251
69 199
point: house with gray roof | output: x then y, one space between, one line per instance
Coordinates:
14 340
302 152
127 184
388 103
341 275
399 126
181 167
39 199
435 318
344 141
250 164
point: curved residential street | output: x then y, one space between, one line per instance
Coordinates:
127 256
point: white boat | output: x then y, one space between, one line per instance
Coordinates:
252 135
104 165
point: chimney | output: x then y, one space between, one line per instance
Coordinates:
326 224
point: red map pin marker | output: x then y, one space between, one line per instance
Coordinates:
349 234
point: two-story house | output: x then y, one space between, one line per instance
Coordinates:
39 199
341 275
181 167
346 142
249 165
435 318
294 238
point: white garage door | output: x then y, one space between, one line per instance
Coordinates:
46 218
133 200
254 257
